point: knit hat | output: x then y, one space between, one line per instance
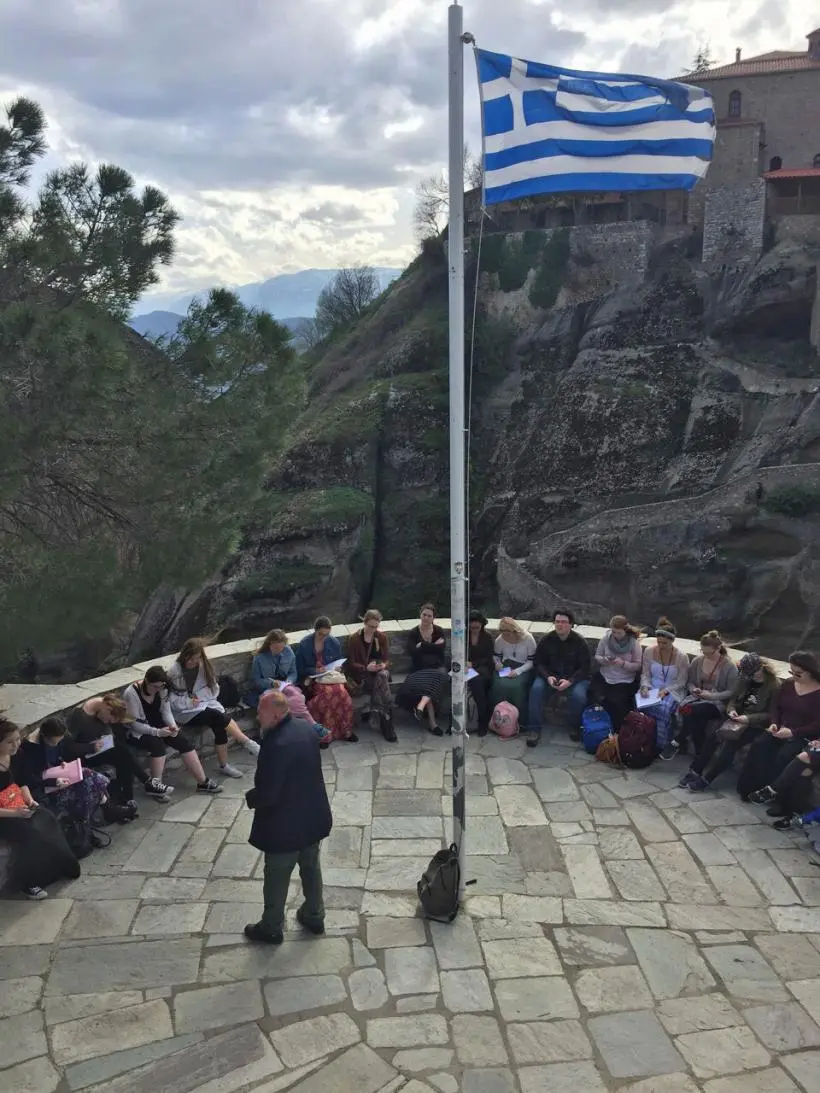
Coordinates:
750 665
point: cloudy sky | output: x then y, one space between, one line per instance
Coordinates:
291 133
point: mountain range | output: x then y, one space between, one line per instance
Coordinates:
163 324
286 296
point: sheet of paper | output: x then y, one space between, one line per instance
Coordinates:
106 742
650 700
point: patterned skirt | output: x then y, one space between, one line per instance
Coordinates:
332 707
81 800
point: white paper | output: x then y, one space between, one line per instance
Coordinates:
334 666
650 700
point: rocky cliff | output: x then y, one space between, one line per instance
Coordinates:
646 438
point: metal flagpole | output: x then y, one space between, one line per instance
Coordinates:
458 490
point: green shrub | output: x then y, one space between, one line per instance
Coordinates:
492 253
793 500
515 268
286 577
551 274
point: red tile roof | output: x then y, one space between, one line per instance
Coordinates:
764 64
796 172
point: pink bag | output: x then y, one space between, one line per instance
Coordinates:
504 721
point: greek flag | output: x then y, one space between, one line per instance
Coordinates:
554 130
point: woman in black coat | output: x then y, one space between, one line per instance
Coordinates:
480 659
423 690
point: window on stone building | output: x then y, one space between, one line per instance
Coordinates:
775 163
816 161
735 104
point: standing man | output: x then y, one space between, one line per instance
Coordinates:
562 663
291 817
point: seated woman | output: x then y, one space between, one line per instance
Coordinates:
152 729
315 651
194 694
795 720
790 794
481 658
274 662
298 709
666 671
423 689
618 659
40 854
367 669
747 716
514 652
711 683
50 746
105 716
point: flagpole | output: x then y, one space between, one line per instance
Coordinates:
458 485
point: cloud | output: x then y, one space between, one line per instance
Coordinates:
292 134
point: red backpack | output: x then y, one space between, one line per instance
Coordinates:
637 740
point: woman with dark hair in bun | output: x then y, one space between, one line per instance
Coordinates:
795 723
481 660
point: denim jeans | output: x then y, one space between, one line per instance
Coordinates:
541 690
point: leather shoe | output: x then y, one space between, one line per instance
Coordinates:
255 931
316 928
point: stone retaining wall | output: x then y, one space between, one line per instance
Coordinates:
29 704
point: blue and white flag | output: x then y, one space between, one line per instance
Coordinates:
554 130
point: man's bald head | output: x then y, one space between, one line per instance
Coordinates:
273 708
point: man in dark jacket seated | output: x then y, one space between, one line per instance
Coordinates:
562 664
291 817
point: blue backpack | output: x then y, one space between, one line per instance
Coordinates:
596 726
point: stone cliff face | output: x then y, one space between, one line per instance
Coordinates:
646 438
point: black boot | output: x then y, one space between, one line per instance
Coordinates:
388 731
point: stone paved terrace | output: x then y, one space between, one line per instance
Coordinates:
622 935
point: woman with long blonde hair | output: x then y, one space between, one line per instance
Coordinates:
514 652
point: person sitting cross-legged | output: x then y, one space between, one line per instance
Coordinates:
291 816
562 665
790 793
152 728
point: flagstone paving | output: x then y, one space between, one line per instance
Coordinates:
621 935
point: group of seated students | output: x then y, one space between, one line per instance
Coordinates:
710 704
38 790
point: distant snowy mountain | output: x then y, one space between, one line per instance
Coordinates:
289 295
159 324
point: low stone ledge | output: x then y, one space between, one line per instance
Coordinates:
29 703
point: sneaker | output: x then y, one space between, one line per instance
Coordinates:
315 928
36 893
208 786
687 778
352 739
671 750
482 730
154 788
418 714
227 771
697 784
763 796
434 730
784 823
575 735
388 729
252 748
532 739
255 931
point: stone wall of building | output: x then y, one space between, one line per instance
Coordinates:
733 224
789 106
604 257
802 230
738 155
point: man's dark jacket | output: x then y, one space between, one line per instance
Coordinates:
291 809
564 659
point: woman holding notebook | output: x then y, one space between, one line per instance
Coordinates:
56 776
